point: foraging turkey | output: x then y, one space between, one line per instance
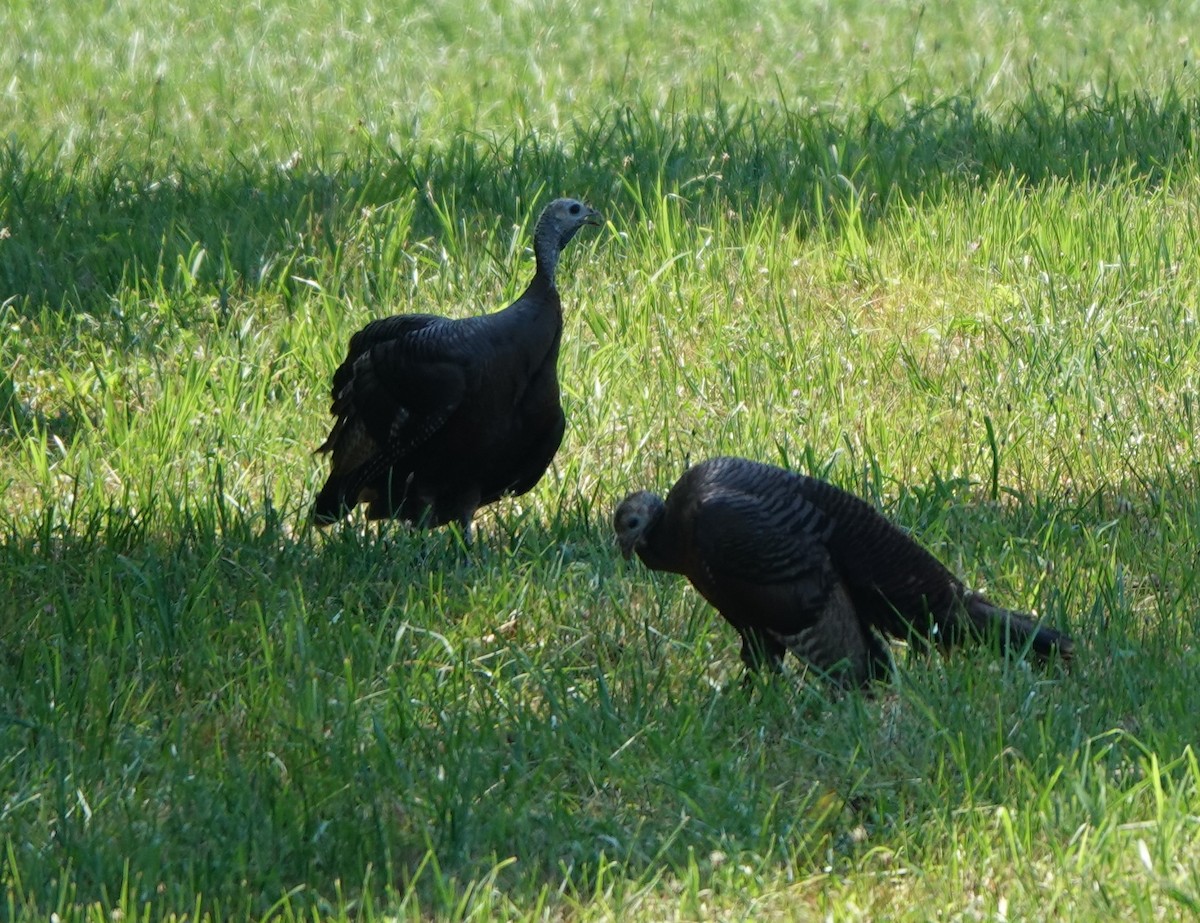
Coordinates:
436 417
795 563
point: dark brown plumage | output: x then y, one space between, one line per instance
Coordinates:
438 417
794 563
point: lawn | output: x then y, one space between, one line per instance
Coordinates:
946 257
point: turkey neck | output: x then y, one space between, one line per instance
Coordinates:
539 293
538 312
547 247
657 550
541 296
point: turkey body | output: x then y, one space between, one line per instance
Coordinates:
795 563
436 417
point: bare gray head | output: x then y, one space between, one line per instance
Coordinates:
634 517
558 223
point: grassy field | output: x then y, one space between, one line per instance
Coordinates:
947 257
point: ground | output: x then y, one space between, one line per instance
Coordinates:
945 259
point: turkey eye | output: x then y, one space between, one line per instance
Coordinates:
575 209
632 522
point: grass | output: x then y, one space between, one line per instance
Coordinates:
946 259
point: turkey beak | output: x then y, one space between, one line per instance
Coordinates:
594 218
626 546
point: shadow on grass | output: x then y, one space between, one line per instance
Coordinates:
233 711
74 235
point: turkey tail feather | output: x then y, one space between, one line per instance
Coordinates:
1016 629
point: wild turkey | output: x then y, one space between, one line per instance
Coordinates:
438 417
794 563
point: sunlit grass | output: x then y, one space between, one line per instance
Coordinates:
946 259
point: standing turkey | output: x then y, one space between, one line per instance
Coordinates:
437 417
794 563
